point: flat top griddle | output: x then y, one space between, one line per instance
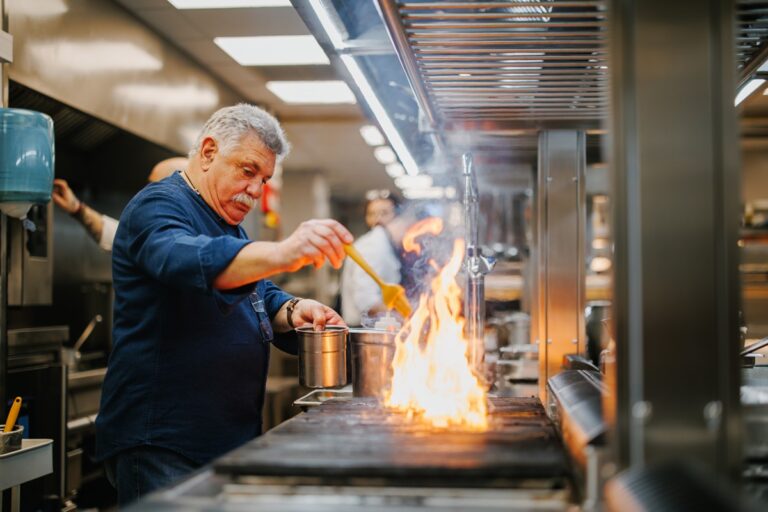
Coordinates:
359 438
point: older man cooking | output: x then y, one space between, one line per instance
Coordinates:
194 313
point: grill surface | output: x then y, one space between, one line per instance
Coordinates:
358 438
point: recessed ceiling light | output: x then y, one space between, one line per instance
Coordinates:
372 135
385 155
227 4
273 50
429 193
411 182
312 91
395 170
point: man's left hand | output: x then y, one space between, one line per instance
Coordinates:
310 312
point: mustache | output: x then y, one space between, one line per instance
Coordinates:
245 199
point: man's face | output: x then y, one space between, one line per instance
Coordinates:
237 176
379 212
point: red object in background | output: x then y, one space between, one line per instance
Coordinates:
266 192
269 204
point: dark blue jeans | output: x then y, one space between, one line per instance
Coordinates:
138 471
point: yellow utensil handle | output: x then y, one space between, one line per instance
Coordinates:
11 420
357 258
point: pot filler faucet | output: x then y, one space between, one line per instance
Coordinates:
476 266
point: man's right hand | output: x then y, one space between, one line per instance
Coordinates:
64 197
313 242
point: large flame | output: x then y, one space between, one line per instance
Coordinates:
432 379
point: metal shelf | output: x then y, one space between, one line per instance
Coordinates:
33 460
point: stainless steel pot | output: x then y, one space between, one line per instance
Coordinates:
323 357
372 354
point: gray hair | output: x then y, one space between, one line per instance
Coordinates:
228 125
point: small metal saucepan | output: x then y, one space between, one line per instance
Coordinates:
323 356
372 353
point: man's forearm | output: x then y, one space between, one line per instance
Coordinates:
257 260
91 220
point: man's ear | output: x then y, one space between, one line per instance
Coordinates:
208 151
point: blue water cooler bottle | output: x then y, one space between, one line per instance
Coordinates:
26 160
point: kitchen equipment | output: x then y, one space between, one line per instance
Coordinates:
71 356
519 325
476 266
393 294
323 356
13 414
518 364
372 354
10 440
318 396
598 314
26 160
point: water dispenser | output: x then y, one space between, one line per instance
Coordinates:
26 180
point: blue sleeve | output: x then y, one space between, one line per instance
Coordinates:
274 298
165 246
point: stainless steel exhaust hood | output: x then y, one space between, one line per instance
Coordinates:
516 64
500 70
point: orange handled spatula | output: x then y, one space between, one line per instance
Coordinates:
12 415
393 294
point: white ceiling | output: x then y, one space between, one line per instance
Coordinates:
324 138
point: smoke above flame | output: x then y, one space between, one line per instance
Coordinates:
431 375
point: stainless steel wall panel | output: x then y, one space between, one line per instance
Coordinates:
94 56
675 176
3 237
561 211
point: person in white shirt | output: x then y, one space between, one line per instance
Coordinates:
102 228
381 246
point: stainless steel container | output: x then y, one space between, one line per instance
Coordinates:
11 441
323 357
372 354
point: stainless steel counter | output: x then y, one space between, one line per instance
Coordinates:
207 491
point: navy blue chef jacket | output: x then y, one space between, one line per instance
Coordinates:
189 363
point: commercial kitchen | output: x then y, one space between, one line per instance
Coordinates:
590 333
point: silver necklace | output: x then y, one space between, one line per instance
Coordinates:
187 178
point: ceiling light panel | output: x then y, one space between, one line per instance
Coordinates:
227 4
395 170
747 90
411 182
309 92
385 155
372 135
381 115
273 50
429 193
